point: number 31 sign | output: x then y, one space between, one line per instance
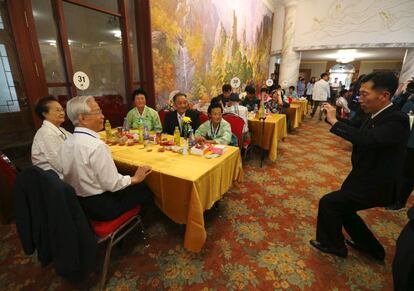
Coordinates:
81 80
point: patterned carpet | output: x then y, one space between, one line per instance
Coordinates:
257 236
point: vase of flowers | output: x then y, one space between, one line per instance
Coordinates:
186 126
186 130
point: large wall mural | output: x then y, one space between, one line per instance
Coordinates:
354 23
198 45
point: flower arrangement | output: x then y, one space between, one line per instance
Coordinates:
186 126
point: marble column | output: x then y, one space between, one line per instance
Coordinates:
290 61
407 70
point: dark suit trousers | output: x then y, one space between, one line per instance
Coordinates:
408 178
338 209
403 265
317 104
110 205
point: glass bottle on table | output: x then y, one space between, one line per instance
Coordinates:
108 129
125 126
261 110
191 139
140 127
177 137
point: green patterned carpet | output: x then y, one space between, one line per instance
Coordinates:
257 237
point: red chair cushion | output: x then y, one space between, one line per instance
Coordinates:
202 117
237 124
113 109
104 228
7 171
162 114
7 180
247 142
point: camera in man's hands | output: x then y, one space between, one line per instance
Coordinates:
410 87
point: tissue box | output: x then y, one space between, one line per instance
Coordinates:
218 149
199 150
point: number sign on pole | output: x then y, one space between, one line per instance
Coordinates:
81 80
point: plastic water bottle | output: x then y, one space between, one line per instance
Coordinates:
185 147
125 126
146 132
191 140
255 108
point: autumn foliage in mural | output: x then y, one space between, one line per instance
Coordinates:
200 45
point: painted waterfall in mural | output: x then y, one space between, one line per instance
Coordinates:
198 45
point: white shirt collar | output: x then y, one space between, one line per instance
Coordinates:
180 119
143 111
54 128
180 115
376 114
88 131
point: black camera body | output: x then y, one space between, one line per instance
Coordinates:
410 87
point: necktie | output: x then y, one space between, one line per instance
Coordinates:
367 122
180 121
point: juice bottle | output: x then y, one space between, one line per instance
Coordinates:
108 129
177 138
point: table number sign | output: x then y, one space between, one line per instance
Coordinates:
81 80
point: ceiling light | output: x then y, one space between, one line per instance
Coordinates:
344 60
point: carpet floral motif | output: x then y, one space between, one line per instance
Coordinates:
257 237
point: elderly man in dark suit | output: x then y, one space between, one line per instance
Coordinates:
174 118
378 153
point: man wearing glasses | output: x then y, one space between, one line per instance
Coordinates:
87 165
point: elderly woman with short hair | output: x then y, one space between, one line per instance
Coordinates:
216 130
50 135
141 112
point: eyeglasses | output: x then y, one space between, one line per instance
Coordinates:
96 112
59 110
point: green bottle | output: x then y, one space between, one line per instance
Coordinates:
108 129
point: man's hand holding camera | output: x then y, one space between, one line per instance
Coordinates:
330 113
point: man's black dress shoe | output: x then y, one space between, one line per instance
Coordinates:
378 255
342 252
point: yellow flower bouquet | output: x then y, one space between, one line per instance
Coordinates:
186 126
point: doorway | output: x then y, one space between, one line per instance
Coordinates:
17 129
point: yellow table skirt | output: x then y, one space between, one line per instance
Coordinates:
304 105
184 186
275 130
294 112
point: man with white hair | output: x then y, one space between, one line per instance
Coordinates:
87 165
